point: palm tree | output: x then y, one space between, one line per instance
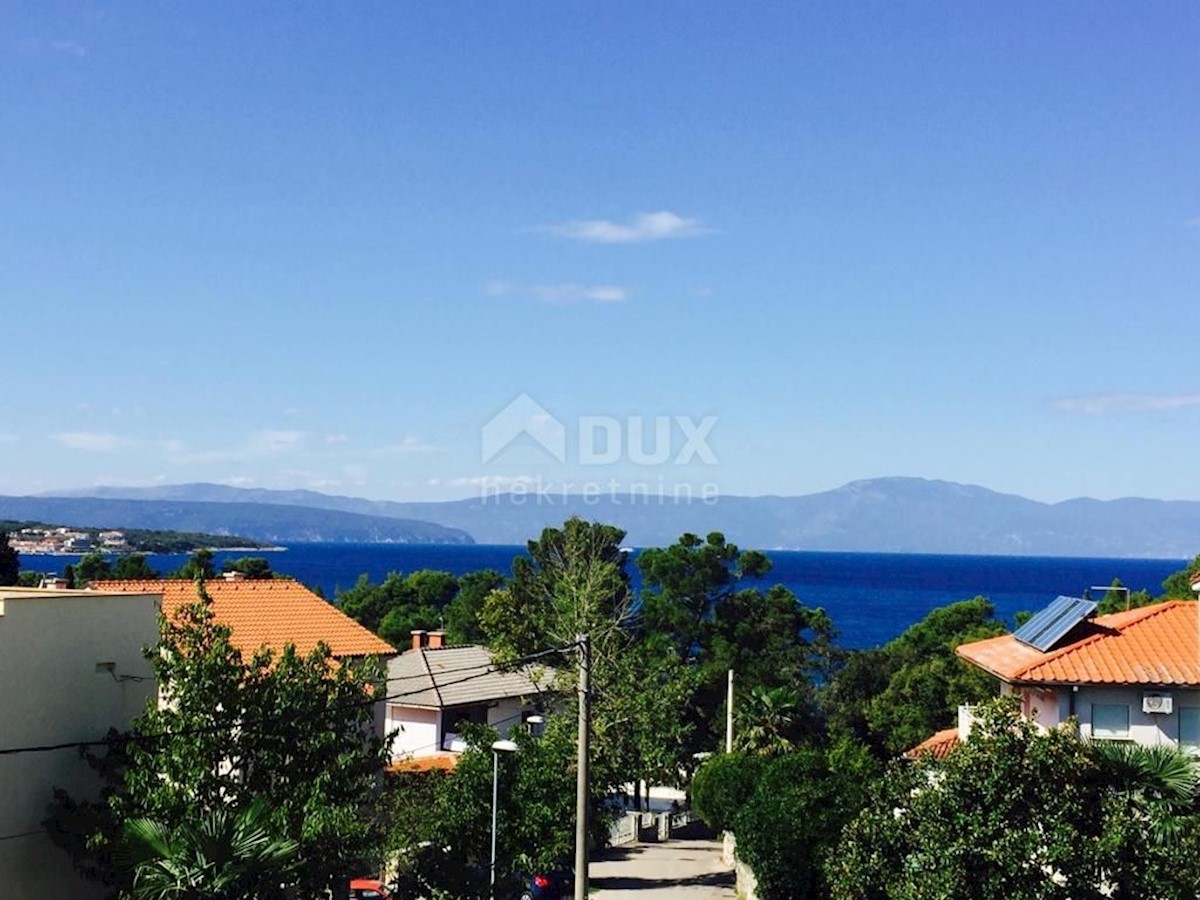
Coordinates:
1161 783
222 855
767 721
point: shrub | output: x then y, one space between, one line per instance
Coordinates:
787 826
722 786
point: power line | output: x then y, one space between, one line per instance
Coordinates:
421 749
254 723
12 837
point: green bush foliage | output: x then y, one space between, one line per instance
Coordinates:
723 785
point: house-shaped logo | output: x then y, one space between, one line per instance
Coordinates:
524 416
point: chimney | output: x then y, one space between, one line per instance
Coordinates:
418 639
437 640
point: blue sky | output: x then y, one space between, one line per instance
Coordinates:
322 245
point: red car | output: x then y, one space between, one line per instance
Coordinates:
368 889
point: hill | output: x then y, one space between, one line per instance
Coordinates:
273 523
900 515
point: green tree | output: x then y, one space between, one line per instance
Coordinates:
92 567
446 841
10 562
1118 599
28 578
400 604
573 581
200 565
249 566
723 785
767 721
1013 814
787 828
462 613
133 567
698 600
1178 585
896 696
686 582
297 730
222 855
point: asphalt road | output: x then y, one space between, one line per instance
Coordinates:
689 869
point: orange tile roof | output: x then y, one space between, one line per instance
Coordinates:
435 762
1154 645
938 745
268 612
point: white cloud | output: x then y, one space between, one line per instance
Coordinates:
270 441
644 227
257 444
1114 404
408 444
92 441
336 438
236 481
565 293
494 482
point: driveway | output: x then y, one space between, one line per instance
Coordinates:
689 869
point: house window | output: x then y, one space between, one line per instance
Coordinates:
1110 721
1189 728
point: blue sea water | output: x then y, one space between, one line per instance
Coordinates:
872 597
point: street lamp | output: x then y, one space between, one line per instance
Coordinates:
498 747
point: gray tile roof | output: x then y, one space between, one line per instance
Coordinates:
454 676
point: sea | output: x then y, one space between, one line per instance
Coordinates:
871 597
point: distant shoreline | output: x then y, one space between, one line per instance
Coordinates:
155 552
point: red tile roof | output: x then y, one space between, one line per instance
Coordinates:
1154 645
268 612
938 745
435 762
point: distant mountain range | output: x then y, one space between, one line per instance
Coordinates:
900 515
276 523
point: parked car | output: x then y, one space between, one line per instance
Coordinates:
556 885
368 889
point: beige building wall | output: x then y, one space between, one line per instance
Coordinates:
59 653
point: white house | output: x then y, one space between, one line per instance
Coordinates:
436 688
1130 676
71 667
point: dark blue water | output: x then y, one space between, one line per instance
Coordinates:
871 597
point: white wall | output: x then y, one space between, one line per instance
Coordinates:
505 714
1045 706
417 730
52 693
1149 729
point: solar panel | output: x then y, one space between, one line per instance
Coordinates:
1051 625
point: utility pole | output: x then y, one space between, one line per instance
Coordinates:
582 799
729 716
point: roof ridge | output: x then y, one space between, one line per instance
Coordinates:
1145 612
429 671
1140 613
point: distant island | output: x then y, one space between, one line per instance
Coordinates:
881 515
268 523
40 538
